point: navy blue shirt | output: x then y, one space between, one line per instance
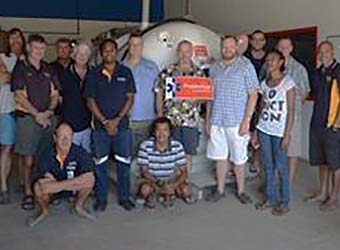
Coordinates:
321 91
73 109
77 162
110 92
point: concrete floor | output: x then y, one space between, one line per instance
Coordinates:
224 225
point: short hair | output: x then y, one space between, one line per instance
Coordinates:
160 120
136 34
36 38
63 40
85 44
257 32
279 53
21 34
326 42
62 124
286 38
228 37
183 42
106 41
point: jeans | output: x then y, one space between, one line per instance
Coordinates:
120 146
275 159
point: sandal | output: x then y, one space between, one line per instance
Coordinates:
244 198
27 202
280 211
4 198
190 200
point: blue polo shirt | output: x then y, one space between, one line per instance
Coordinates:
144 74
110 92
73 109
77 162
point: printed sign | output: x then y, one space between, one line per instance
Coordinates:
189 88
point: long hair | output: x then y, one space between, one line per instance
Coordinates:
12 32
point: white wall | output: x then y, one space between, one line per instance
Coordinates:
88 29
233 16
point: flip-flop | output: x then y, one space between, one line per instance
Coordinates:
313 199
33 221
27 202
328 207
264 205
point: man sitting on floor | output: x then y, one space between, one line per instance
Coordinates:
65 169
163 167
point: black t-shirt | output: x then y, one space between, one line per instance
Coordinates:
321 91
73 108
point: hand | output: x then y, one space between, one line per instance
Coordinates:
244 128
111 126
42 119
255 141
285 143
5 78
168 188
208 128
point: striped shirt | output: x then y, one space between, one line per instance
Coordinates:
161 165
232 84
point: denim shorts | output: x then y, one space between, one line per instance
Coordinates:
7 128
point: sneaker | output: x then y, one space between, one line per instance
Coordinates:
215 197
127 205
100 206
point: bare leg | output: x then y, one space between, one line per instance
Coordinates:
79 207
5 166
28 163
322 195
189 164
42 201
239 172
331 203
292 163
21 164
222 167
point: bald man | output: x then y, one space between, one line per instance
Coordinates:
66 170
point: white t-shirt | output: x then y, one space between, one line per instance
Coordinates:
273 117
6 96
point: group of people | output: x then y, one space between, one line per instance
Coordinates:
67 119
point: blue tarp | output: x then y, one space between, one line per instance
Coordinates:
114 10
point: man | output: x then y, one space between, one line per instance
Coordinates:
324 148
73 107
257 51
65 169
36 96
229 114
144 73
184 114
300 77
64 50
162 163
110 90
256 55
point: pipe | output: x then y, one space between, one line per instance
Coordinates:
145 14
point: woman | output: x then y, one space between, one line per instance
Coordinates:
274 131
8 60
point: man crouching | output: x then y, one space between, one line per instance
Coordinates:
163 167
65 169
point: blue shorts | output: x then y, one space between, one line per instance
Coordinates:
7 128
189 137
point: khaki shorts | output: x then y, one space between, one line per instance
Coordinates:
295 145
31 138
